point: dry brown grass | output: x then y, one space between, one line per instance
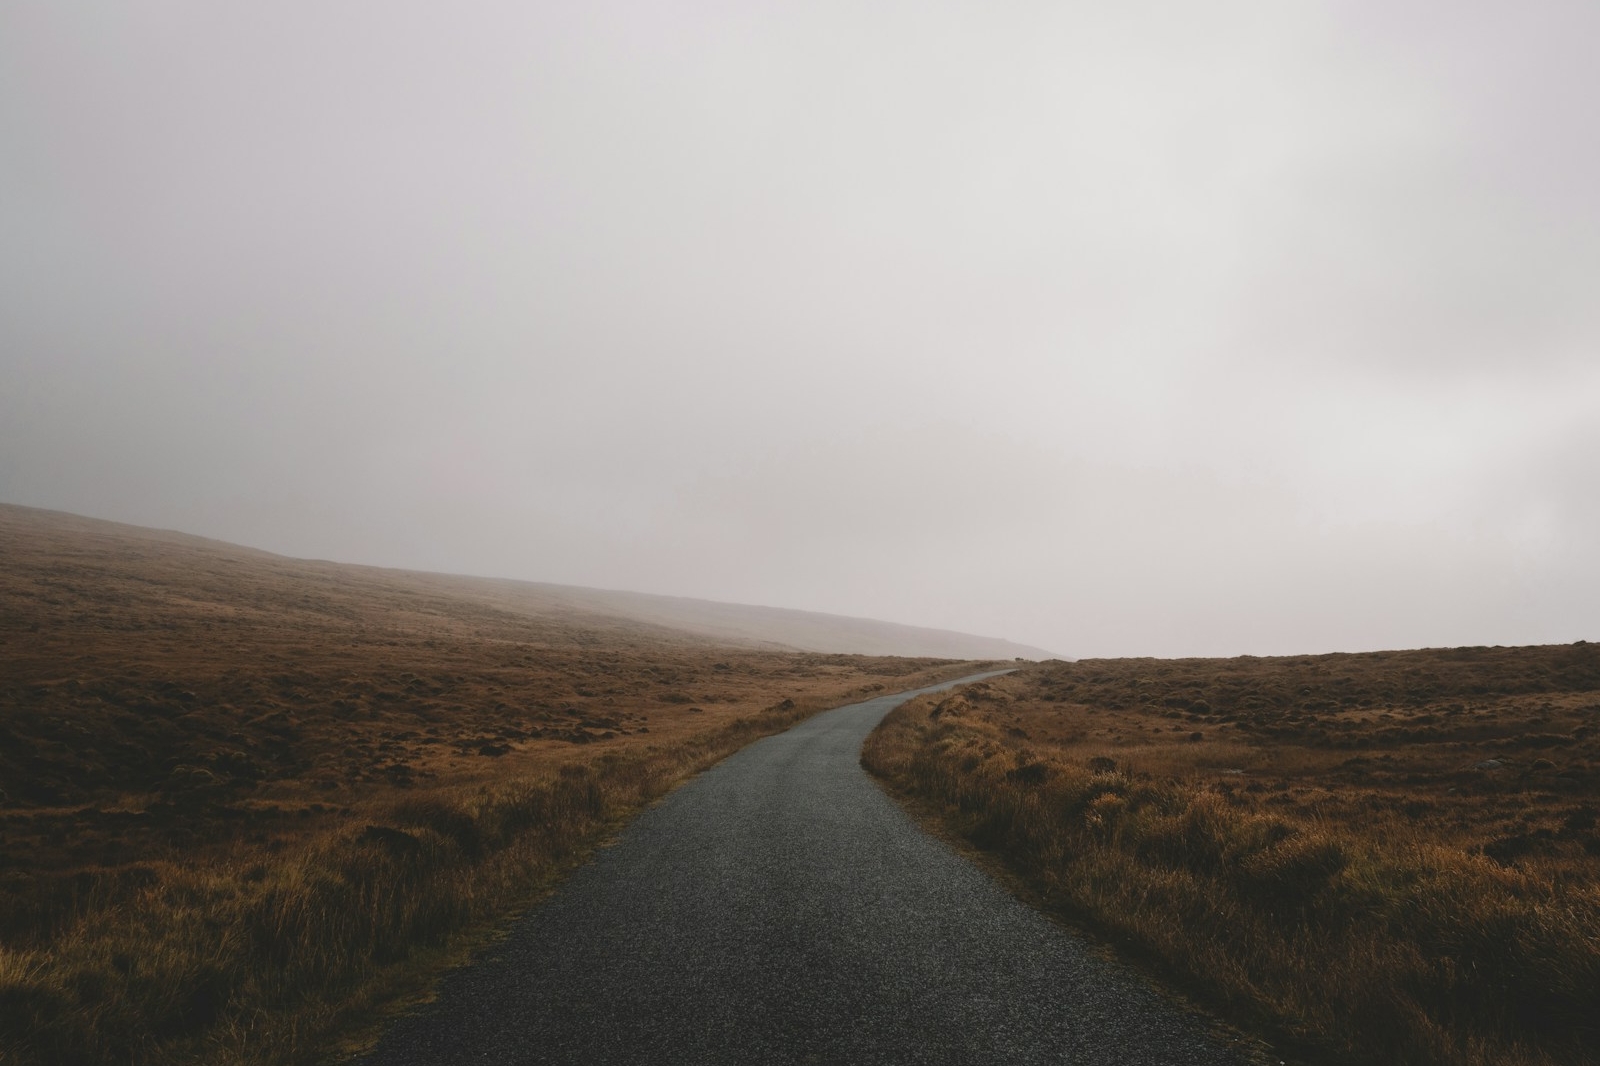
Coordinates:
1383 858
245 800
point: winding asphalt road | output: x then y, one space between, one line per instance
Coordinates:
779 908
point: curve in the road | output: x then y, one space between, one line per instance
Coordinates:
779 908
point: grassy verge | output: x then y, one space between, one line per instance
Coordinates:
1390 882
265 958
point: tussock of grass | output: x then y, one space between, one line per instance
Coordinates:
1338 922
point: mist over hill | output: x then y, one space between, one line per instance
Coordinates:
780 627
132 564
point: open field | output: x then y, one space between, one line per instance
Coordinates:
246 800
1388 857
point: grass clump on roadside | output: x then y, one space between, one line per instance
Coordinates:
1364 855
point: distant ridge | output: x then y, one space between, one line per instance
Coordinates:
783 627
118 545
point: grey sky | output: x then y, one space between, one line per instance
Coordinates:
1126 328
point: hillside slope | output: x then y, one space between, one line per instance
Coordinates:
129 654
138 560
775 627
244 798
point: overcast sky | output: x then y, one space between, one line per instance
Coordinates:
1119 329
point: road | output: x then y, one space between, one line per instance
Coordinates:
779 908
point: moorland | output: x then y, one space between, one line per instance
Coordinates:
248 802
1387 858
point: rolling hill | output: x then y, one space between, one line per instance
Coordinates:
49 550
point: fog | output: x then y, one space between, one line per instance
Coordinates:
1133 329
